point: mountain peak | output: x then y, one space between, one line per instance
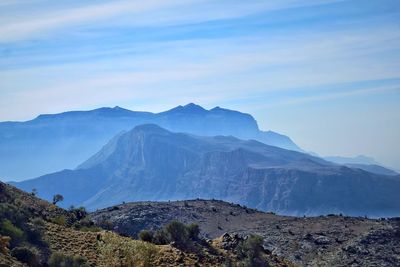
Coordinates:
149 128
188 108
193 106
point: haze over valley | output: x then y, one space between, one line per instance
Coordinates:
227 133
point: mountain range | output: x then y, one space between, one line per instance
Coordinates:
53 142
152 163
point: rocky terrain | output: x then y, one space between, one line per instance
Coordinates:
36 233
332 240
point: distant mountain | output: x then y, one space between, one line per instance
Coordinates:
53 142
362 162
373 168
152 163
360 159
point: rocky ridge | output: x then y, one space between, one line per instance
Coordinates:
332 240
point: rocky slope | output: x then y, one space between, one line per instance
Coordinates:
54 142
152 163
94 246
332 240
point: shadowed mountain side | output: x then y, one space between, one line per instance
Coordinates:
75 186
53 142
151 163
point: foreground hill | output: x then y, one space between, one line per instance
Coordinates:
151 163
54 142
318 241
34 233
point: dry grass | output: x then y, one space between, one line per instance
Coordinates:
116 250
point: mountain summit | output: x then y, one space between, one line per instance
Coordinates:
152 163
57 141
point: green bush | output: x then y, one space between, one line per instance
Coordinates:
250 251
60 220
193 231
146 236
80 213
7 228
178 233
35 231
12 213
57 198
86 225
106 224
61 260
26 255
160 237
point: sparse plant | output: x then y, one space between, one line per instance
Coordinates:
7 228
34 192
146 236
58 259
60 220
193 230
80 213
57 198
117 251
35 231
250 251
160 237
26 255
177 233
105 224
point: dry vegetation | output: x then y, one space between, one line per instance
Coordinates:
52 236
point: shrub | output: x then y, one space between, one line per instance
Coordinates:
178 233
80 213
105 224
35 231
60 220
86 225
250 249
12 213
58 259
160 237
57 198
7 228
146 236
118 251
26 255
193 231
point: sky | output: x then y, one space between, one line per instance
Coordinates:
324 72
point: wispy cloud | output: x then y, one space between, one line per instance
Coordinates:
17 26
253 55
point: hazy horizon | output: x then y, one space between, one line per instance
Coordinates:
325 73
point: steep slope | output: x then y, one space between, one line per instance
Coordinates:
318 241
53 142
151 163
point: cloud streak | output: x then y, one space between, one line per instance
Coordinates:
255 56
136 13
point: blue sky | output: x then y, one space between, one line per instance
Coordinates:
326 73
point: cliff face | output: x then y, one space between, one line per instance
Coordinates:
151 163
